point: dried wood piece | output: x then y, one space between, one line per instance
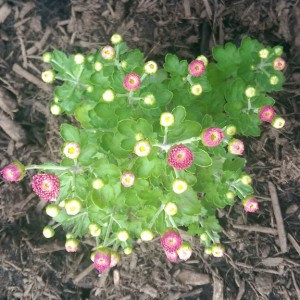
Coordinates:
272 261
38 46
241 291
116 277
12 128
278 217
192 277
294 243
7 103
218 289
256 228
149 290
26 9
84 273
28 76
208 9
187 8
5 11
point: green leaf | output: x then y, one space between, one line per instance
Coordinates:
70 133
228 58
174 66
243 190
202 158
87 153
211 223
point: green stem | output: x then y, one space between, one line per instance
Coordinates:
172 221
108 230
166 147
189 79
143 76
43 167
165 136
156 216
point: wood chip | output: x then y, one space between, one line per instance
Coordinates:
294 243
5 11
7 103
218 289
28 76
192 278
84 273
278 217
256 228
272 261
149 290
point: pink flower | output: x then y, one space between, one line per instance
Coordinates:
102 260
108 52
266 113
171 240
127 179
180 157
196 68
212 136
279 64
46 186
250 204
132 82
13 172
171 256
236 147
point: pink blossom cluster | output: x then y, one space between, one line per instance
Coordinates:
105 259
180 157
46 186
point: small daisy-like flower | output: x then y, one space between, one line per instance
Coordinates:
150 67
132 82
55 109
94 229
266 113
171 256
179 186
171 240
180 157
278 50
147 235
274 80
71 150
142 148
236 147
48 76
250 92
217 250
47 56
212 136
127 179
46 186
203 59
102 259
123 235
127 250
230 130
79 59
196 89
246 179
114 258
279 64
204 237
278 122
166 119
52 210
98 66
97 184
71 245
73 206
108 95
196 68
48 232
108 52
149 99
124 64
208 251
185 251
116 39
263 53
89 88
171 209
13 172
250 204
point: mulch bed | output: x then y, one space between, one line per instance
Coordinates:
262 250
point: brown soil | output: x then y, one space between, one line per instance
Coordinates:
259 263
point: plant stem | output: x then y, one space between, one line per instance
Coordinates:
172 221
156 216
165 136
108 230
45 167
166 147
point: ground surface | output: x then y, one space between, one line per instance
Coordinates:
258 265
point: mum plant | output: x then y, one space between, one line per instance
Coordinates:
153 149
